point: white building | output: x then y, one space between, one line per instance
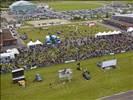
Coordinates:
22 7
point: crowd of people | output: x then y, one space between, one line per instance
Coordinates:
70 49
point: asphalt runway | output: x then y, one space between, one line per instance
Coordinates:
120 96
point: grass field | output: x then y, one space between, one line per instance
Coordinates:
67 31
102 83
75 5
67 4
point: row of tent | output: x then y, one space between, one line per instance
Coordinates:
107 33
31 43
130 29
50 39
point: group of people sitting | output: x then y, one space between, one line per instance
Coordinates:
71 49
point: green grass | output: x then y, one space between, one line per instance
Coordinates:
75 5
40 33
67 4
64 5
103 83
129 1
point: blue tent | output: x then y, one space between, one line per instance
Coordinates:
52 39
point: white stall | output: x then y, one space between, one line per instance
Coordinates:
108 63
7 56
65 74
14 50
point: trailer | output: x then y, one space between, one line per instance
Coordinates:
107 63
18 75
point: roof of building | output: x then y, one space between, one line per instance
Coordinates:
20 3
5 35
124 15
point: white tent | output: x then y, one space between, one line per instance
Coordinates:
47 36
38 42
118 32
115 32
14 50
34 43
99 32
104 33
130 29
107 33
30 44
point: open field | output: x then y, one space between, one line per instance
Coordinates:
67 4
75 5
67 31
102 83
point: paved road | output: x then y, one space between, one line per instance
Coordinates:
20 42
121 96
